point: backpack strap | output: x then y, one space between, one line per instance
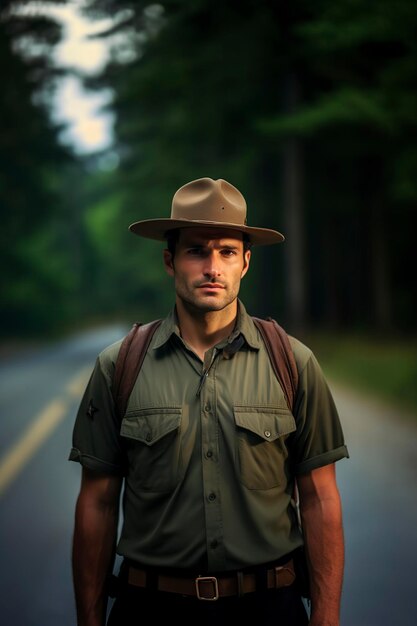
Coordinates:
285 367
281 356
129 361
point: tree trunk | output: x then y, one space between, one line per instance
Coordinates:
293 197
381 292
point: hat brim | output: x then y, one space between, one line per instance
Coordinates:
158 229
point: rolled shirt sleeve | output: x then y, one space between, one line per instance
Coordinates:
319 438
96 442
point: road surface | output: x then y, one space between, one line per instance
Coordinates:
39 395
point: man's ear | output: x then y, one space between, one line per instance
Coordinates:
246 261
168 262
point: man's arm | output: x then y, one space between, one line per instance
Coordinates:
95 534
321 515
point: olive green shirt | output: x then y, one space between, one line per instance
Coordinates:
208 450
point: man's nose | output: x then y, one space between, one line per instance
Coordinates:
211 266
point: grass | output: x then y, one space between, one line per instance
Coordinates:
385 368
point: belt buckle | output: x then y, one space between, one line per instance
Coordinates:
285 570
207 579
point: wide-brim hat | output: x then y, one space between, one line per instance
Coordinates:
206 202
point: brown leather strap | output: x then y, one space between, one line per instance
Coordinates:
214 587
281 356
285 367
129 361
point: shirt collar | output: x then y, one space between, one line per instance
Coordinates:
168 327
244 326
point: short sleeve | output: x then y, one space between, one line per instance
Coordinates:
319 438
96 442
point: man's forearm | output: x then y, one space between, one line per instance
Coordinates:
92 558
323 531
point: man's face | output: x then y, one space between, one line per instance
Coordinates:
208 267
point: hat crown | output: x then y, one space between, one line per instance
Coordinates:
206 202
209 200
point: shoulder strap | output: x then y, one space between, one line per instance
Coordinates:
285 368
281 356
129 361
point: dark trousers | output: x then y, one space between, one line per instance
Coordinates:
277 607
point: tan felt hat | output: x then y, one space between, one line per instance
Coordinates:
206 202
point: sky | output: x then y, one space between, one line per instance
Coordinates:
88 123
89 129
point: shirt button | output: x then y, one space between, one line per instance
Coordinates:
207 408
148 437
209 454
267 433
212 496
214 544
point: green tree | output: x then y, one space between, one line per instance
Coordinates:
34 275
358 123
308 108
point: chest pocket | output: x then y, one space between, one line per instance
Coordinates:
152 438
261 435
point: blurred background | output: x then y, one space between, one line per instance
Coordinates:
309 108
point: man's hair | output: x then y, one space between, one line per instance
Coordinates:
172 237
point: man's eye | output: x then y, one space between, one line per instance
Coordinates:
195 251
228 252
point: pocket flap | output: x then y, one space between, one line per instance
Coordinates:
266 422
150 425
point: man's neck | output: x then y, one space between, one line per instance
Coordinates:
203 330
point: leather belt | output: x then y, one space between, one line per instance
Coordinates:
215 587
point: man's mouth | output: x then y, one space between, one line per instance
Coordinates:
210 286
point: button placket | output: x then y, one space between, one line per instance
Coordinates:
211 478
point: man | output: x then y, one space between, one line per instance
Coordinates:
208 451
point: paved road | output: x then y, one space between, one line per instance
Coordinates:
378 486
39 394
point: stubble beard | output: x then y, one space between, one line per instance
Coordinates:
205 304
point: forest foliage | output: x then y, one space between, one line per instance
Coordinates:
309 108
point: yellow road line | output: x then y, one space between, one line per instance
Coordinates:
26 447
39 430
